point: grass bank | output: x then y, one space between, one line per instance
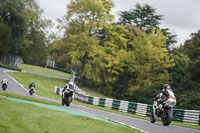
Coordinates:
44 85
23 118
10 67
45 70
13 95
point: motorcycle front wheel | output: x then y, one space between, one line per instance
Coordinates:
4 87
167 120
152 119
31 92
68 100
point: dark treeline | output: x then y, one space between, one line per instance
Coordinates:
23 30
129 59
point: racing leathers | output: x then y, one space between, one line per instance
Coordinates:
166 98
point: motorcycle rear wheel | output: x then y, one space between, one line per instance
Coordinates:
4 87
167 120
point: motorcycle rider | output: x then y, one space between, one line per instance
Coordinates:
165 97
4 81
31 85
70 85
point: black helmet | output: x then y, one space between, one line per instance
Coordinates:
166 86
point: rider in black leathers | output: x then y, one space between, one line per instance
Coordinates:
31 85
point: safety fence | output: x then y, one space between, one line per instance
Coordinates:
11 60
187 116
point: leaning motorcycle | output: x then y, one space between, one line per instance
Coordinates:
67 96
165 115
31 90
4 86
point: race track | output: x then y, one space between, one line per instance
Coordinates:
144 125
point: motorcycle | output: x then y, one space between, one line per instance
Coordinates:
31 90
67 95
163 113
4 86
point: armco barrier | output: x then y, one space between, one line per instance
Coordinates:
102 102
58 90
132 106
187 116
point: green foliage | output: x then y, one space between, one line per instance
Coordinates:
5 37
179 71
148 62
192 49
107 54
188 99
23 31
88 15
145 18
11 18
34 49
185 73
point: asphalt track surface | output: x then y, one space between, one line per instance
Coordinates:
143 125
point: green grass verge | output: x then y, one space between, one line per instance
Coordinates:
92 92
58 73
10 67
26 118
44 87
44 70
13 95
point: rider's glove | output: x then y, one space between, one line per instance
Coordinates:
154 99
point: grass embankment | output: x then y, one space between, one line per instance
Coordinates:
13 95
23 118
44 85
44 70
10 67
58 73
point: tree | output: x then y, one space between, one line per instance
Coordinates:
11 16
84 18
120 60
88 15
192 48
5 38
23 30
150 62
146 19
143 17
34 46
180 72
185 73
113 47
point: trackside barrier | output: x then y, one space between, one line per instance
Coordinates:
187 116
58 90
12 60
